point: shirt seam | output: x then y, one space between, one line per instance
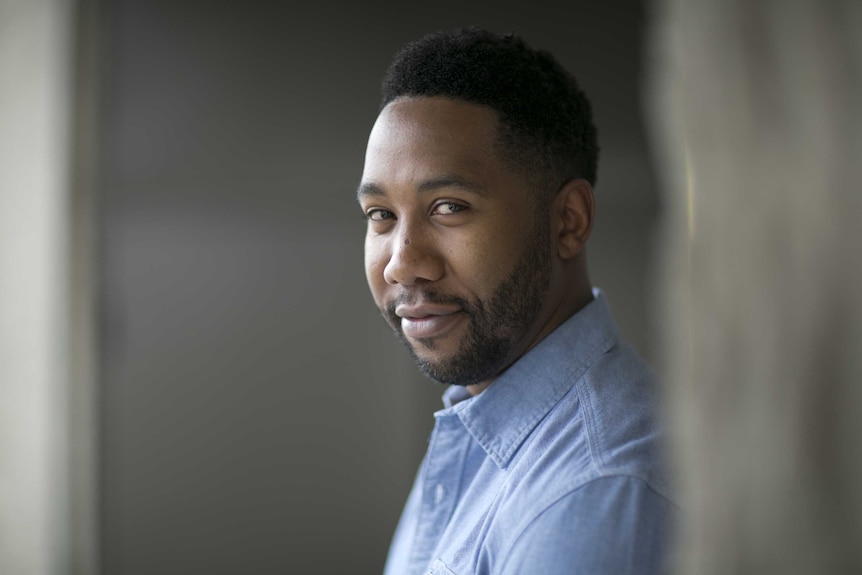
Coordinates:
422 480
596 459
572 491
578 373
502 457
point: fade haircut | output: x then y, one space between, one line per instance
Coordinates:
545 121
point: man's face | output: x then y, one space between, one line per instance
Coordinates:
457 250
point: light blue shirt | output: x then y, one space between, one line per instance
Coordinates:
556 468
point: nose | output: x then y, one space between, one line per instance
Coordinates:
413 259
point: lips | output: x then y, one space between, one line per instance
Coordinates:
428 320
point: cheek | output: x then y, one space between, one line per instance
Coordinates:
482 260
375 263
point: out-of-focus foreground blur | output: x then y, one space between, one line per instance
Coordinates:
755 110
194 379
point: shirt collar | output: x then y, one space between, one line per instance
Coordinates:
501 417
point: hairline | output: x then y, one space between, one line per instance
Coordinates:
507 144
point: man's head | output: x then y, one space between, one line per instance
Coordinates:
546 126
478 197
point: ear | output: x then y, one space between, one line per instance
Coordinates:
573 212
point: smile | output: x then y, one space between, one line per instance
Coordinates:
427 321
429 326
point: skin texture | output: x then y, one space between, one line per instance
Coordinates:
466 261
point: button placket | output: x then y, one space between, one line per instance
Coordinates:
440 481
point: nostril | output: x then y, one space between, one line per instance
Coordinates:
410 261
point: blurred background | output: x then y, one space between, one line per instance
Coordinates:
194 378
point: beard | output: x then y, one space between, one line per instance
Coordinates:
497 325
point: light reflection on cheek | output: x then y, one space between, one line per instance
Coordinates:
375 265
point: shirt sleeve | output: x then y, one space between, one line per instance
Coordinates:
612 525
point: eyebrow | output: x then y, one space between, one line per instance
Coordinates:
367 189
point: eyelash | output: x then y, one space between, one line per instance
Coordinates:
370 213
453 206
457 207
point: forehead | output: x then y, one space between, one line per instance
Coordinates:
416 138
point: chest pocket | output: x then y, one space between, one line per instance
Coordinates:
439 568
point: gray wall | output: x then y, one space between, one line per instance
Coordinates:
257 415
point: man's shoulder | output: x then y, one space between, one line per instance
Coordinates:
607 425
596 459
611 524
620 401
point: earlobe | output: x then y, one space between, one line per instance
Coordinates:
575 210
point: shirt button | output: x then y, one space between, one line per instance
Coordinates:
439 493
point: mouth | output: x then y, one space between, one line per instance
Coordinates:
428 320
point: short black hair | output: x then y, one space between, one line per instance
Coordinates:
545 119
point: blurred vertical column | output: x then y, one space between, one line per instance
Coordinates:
757 117
47 368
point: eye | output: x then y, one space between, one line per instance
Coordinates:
378 214
447 208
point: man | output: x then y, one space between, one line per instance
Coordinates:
478 190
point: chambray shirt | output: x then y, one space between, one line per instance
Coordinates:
555 468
